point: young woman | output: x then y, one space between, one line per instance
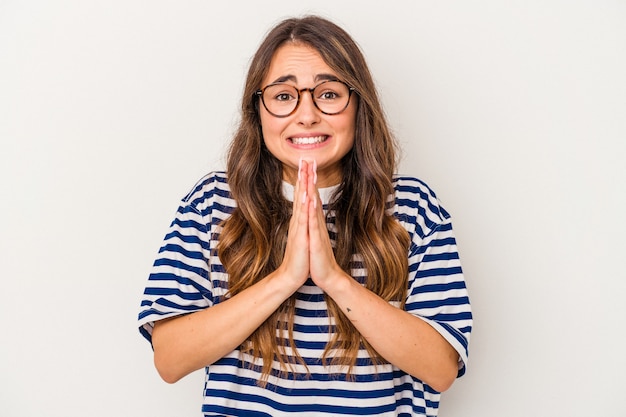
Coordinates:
309 278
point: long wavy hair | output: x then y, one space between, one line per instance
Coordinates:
252 240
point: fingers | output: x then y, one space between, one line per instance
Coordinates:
298 188
316 219
319 240
312 193
305 189
296 259
299 217
314 209
309 250
300 192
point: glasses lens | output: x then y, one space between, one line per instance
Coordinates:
280 99
331 96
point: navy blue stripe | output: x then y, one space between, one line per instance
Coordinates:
423 273
303 344
439 288
243 398
452 301
436 243
179 265
173 291
217 410
173 247
175 306
223 209
155 276
218 268
189 224
321 377
465 330
452 317
189 239
445 256
305 392
300 312
310 329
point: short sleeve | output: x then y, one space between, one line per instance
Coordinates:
179 282
437 291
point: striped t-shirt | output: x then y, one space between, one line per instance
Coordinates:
187 276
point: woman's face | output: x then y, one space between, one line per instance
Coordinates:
307 133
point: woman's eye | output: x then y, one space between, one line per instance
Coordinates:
283 97
328 95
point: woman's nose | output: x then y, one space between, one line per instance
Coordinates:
307 112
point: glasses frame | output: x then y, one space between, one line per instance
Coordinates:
261 92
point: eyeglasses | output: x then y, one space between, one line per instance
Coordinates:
282 100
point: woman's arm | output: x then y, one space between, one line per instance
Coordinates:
187 343
404 340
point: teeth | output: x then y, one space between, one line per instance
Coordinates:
308 141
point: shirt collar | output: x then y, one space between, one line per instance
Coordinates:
325 193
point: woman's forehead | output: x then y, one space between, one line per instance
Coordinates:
297 64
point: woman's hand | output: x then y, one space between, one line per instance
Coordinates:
309 251
296 265
322 264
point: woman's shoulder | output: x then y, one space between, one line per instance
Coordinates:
415 198
210 189
414 189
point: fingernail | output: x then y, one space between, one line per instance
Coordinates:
299 168
304 197
314 171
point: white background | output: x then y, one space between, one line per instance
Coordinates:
513 111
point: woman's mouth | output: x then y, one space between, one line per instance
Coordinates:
309 140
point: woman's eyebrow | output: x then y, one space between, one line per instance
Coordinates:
326 77
284 78
294 79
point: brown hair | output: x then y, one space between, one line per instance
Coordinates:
252 241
